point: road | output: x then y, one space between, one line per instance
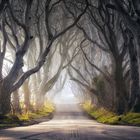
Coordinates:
70 123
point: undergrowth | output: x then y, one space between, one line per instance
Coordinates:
104 116
12 120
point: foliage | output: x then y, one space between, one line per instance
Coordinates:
104 116
17 119
44 111
131 118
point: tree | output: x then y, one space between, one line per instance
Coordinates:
106 25
20 22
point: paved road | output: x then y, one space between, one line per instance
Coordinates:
70 123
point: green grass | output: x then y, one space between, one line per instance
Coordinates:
45 111
104 116
17 119
131 118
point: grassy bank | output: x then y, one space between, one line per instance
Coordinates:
107 117
28 118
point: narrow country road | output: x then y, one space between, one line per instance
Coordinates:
70 123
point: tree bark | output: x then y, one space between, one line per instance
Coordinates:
5 100
133 25
27 96
134 102
16 103
40 100
121 93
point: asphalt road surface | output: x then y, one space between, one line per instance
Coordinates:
70 123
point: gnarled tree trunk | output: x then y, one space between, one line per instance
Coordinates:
121 93
134 102
5 99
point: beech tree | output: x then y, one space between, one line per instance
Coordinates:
106 30
130 14
20 21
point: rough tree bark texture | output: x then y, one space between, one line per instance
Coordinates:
134 68
121 93
5 99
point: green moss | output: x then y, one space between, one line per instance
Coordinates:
104 116
15 120
9 121
134 121
131 118
24 117
44 111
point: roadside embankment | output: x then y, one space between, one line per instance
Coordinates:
28 118
104 116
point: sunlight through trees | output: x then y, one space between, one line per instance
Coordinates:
91 44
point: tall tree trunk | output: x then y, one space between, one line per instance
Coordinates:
5 100
27 96
135 88
16 103
121 93
138 53
40 100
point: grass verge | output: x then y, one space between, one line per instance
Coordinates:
28 118
104 116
